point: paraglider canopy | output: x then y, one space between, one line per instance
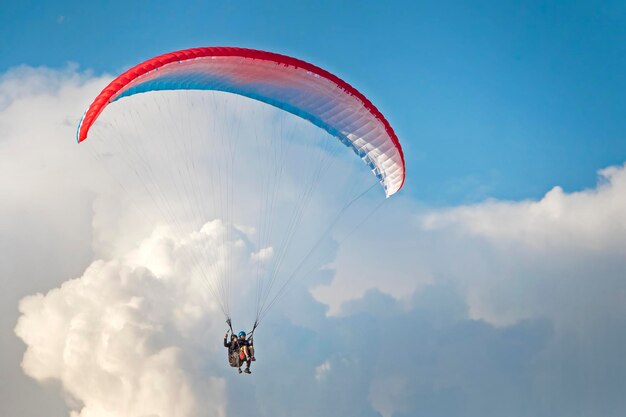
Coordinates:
288 83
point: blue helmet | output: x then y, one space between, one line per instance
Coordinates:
242 333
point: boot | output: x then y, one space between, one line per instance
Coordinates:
248 371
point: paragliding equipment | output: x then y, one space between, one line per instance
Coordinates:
192 148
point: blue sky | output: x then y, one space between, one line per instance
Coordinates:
490 99
508 289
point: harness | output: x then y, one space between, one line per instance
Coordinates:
249 334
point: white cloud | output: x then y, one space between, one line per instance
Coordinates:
129 337
263 255
383 254
488 297
506 256
24 86
125 329
590 219
388 394
322 370
555 257
45 205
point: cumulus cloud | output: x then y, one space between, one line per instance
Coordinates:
556 264
322 370
265 254
555 257
511 258
498 308
130 336
590 219
125 329
45 208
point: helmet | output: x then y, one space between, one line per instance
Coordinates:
242 333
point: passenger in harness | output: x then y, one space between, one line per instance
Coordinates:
233 351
